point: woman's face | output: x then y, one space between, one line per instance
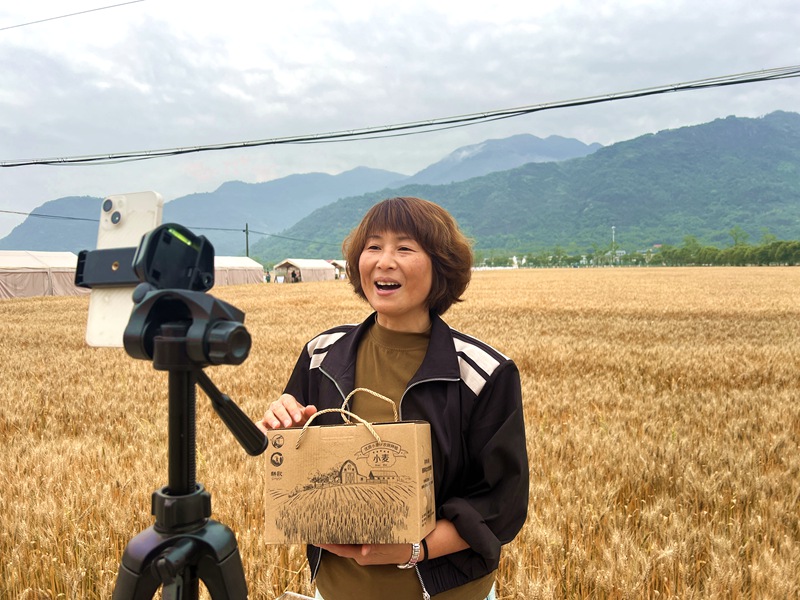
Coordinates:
396 275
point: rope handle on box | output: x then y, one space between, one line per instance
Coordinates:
367 424
377 395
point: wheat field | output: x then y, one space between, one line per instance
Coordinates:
662 415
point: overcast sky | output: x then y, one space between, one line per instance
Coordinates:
161 74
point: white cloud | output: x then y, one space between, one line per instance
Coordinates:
156 75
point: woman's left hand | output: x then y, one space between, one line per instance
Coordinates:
372 554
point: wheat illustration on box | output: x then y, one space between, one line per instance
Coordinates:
349 484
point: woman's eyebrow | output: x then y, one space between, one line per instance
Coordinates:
400 237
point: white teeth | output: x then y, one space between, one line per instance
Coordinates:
386 284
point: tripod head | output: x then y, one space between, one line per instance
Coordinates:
193 329
215 333
176 268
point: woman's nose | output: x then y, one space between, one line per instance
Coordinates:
386 260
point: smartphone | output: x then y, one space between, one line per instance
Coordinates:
124 219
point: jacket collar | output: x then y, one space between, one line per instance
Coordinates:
440 362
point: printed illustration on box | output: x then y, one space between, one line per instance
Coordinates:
374 503
353 490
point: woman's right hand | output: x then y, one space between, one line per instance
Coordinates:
286 411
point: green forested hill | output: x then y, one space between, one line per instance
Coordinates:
698 181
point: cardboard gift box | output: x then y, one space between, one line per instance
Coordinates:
354 483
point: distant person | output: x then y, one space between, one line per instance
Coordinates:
295 278
410 262
268 277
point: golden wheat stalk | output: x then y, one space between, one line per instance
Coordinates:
662 414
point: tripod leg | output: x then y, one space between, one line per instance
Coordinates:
136 580
174 568
224 580
177 591
209 554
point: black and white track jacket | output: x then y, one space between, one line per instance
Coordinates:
470 394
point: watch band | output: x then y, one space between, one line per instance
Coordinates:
414 557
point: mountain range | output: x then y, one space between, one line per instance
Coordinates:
269 207
699 181
517 195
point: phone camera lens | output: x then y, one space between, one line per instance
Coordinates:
115 217
108 205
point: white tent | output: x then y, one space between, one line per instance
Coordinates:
27 273
235 270
341 268
306 269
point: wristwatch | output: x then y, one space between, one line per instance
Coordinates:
414 557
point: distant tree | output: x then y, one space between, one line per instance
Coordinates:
786 253
739 235
669 256
558 257
767 238
690 252
708 255
478 258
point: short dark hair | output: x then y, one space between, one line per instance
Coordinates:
434 229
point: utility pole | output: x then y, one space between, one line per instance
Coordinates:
247 240
613 245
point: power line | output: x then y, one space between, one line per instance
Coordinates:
226 229
294 239
83 12
417 127
44 216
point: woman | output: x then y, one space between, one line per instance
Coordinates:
410 262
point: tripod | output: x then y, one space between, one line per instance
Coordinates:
183 331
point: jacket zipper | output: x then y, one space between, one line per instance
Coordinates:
413 385
315 568
335 383
425 594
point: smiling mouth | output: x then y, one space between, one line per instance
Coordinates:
386 286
